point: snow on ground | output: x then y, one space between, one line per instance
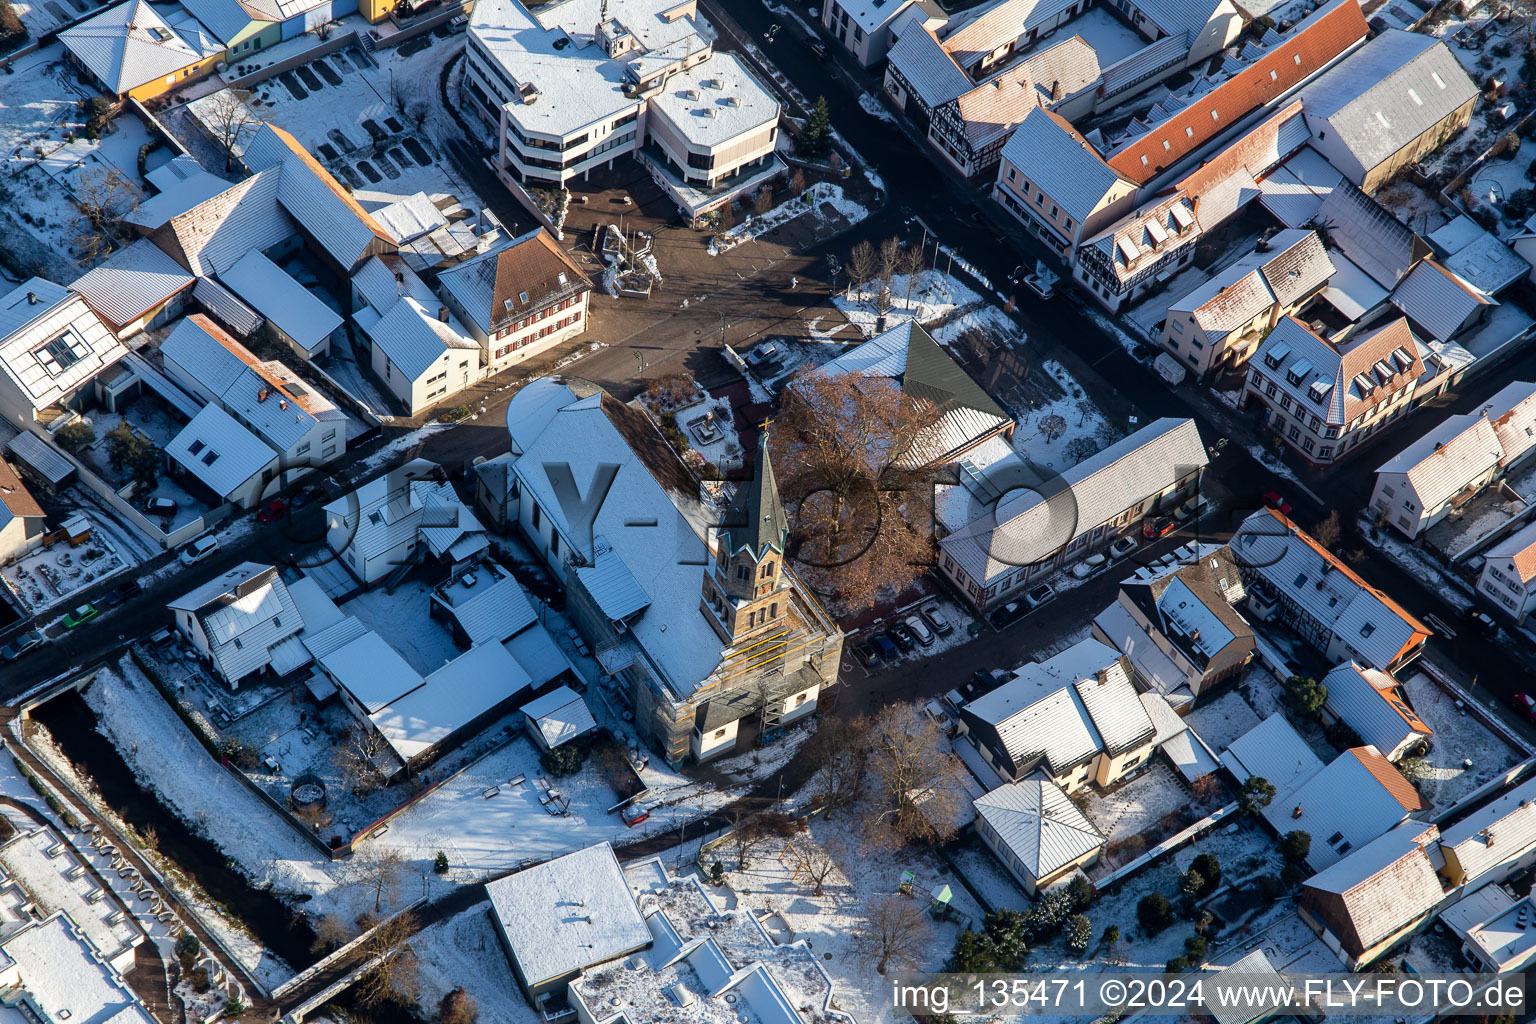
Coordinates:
986 874
987 322
48 576
1459 737
1061 433
823 200
954 259
1112 328
464 952
871 105
1466 526
1417 562
1222 720
1139 806
404 617
928 296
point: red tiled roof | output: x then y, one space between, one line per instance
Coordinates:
1390 778
15 496
1291 61
1255 153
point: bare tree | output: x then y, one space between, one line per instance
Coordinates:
229 120
895 933
359 755
1328 531
856 482
378 874
861 265
839 751
919 778
331 932
418 114
393 971
816 864
797 182
726 218
104 197
764 201
750 831
890 258
910 261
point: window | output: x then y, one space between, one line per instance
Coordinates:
61 353
534 515
767 570
719 734
554 544
1325 452
799 699
303 448
1178 328
742 572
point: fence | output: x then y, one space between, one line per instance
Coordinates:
331 45
1165 847
1476 708
420 25
156 128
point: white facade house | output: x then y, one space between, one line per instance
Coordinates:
571 86
303 426
395 519
136 288
1494 842
867 28
1371 704
1456 461
52 344
1039 834
226 462
419 348
21 517
1508 580
242 622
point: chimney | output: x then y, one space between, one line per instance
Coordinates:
282 403
399 277
262 393
31 298
1297 812
442 313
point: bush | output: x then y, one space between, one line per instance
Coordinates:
235 1006
1154 912
1111 935
717 873
1178 965
1256 794
1290 876
1507 146
566 760
1194 946
1192 882
75 436
1341 736
1210 869
1295 846
10 22
199 978
1305 695
1079 933
6 828
188 946
457 1007
440 863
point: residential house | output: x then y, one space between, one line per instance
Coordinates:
1189 755
557 718
1367 902
1074 717
1397 100
1324 397
244 28
1217 326
418 348
52 345
1508 579
1456 461
1178 627
964 415
1503 941
50 970
293 315
22 520
138 50
220 460
421 717
243 622
1274 751
1371 704
303 426
483 603
1038 833
1313 592
867 28
519 300
1493 843
1369 235
1479 257
137 288
1438 303
703 623
399 518
643 77
1009 524
1354 799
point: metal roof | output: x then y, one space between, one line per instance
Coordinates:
414 339
491 609
220 452
245 613
1355 798
285 302
1272 750
225 305
1039 824
1055 158
225 18
132 281
1367 700
199 356
925 65
130 44
609 583
560 716
371 670
458 693
1438 300
40 458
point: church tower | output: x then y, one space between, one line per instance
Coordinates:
745 591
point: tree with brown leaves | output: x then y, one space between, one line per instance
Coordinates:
856 483
895 933
1328 531
839 754
393 971
331 933
457 1007
919 780
815 864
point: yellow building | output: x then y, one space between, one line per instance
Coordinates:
134 50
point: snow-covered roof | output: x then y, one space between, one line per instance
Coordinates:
244 613
1179 17
714 102
389 510
384 280
617 593
1152 664
1272 750
410 216
1373 626
1368 233
1023 527
1049 152
1442 463
29 448
1438 299
1253 973
487 603
1484 261
51 341
568 914
1367 700
414 339
871 15
132 281
540 656
226 305
560 716
315 606
176 197
219 451
1384 885
1039 824
457 694
1356 797
1501 831
269 290
1338 379
927 67
225 18
370 670
510 281
1513 414
67 978
131 44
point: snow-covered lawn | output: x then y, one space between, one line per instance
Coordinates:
1459 737
1140 806
871 105
822 200
987 875
1060 433
404 617
46 577
1416 561
464 952
1222 720
929 296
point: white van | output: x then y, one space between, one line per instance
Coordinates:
1169 368
199 549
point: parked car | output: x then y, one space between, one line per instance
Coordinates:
1088 566
1162 526
1272 499
199 549
80 616
884 647
272 510
1040 595
1483 623
1190 511
122 592
940 717
901 636
1122 547
919 629
821 52
1008 614
458 24
160 507
934 615
1524 705
21 645
305 497
866 654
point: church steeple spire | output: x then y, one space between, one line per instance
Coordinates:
756 519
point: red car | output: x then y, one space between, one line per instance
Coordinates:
1524 705
1159 527
1273 500
272 510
